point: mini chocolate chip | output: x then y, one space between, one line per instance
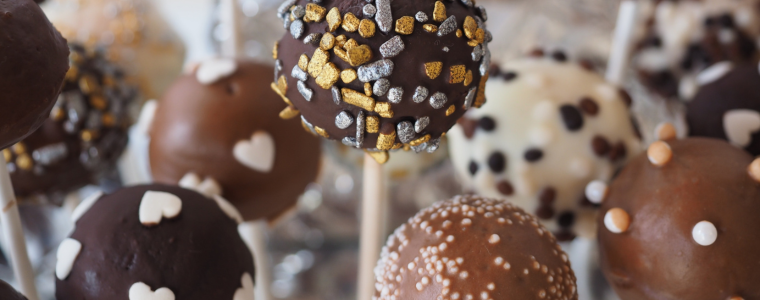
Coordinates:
586 64
589 106
505 188
468 126
564 236
494 71
618 152
547 196
572 117
600 145
509 76
497 162
487 123
545 212
538 52
559 56
473 168
626 97
533 155
566 219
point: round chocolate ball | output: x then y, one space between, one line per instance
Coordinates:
32 70
7 292
550 127
728 107
150 241
383 75
219 127
680 223
84 136
471 247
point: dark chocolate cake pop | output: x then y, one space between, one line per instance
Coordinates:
7 292
382 75
473 248
218 127
729 108
32 68
680 222
155 242
84 135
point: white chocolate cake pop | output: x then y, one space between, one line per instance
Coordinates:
551 127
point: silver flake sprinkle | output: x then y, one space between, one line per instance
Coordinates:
486 62
344 119
337 97
360 127
469 98
369 10
286 23
483 13
467 3
420 94
405 131
419 148
392 47
489 36
296 29
306 122
299 74
316 1
375 70
349 141
380 88
298 12
383 17
445 49
395 94
421 124
285 6
305 92
50 154
312 38
278 64
448 26
477 53
438 100
421 17
433 145
480 22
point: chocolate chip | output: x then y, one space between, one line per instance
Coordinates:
600 145
564 236
626 97
509 76
545 212
497 162
572 117
487 123
505 188
494 71
566 219
538 52
473 168
618 152
468 126
559 56
533 155
547 196
589 106
586 64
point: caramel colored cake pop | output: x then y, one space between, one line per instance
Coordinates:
32 69
7 292
154 242
84 135
473 248
728 107
383 75
217 130
680 222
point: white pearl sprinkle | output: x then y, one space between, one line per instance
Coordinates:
466 222
494 239
596 191
704 233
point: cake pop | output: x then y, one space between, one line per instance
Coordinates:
550 127
32 69
84 135
473 248
728 106
7 292
154 242
682 37
340 68
218 127
679 222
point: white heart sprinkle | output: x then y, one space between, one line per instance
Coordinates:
208 187
67 254
141 291
596 191
704 233
229 209
740 124
157 205
714 72
212 70
84 206
246 291
257 153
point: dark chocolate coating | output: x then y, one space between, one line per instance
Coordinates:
197 126
197 255
33 65
736 90
7 292
657 257
84 135
408 72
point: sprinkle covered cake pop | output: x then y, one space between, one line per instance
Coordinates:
680 222
217 129
550 127
84 135
31 69
473 248
7 292
154 242
382 75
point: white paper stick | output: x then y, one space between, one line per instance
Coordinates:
370 240
254 234
230 18
622 42
10 220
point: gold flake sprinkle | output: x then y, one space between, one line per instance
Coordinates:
380 157
367 28
314 13
430 28
384 109
348 75
359 55
433 69
57 114
318 60
108 120
407 148
7 155
24 162
88 84
373 124
405 25
98 102
289 113
480 35
303 62
282 85
420 141
350 44
358 99
327 42
459 33
87 135
398 146
333 19
328 76
468 78
368 90
472 43
469 27
275 53
342 54
386 141
340 40
19 148
306 127
350 22
481 98
457 74
321 132
72 74
439 12
450 110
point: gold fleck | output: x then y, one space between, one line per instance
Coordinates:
109 81
398 146
373 124
350 22
75 57
57 114
405 25
433 69
358 99
430 28
327 42
472 43
450 110
384 109
439 12
468 78
108 120
328 76
7 155
386 141
24 162
303 62
367 28
348 75
407 148
380 157
350 44
459 33
420 141
480 35
318 60
314 13
87 135
321 132
19 148
340 40
275 53
470 26
306 127
481 98
457 74
443 134
333 19
289 113
342 54
71 75
281 87
368 90
98 102
88 84
359 55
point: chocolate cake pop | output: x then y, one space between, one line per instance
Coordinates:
154 242
84 135
728 107
219 127
680 223
550 127
382 75
7 292
683 37
31 71
473 248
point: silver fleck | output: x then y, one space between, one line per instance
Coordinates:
433 145
419 148
486 62
360 127
285 6
392 47
467 3
470 97
337 97
381 86
477 53
448 26
278 64
312 38
480 23
369 10
395 94
50 154
299 74
421 124
405 131
421 17
375 70
296 29
316 1
488 37
420 94
383 17
286 23
308 125
75 106
305 91
483 13
349 141
445 49
298 12
344 119
438 100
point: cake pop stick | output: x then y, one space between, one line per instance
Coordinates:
370 242
13 232
230 17
622 42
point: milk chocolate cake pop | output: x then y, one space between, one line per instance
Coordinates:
218 127
680 222
84 135
683 37
7 292
728 107
154 242
473 248
550 127
32 69
382 75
